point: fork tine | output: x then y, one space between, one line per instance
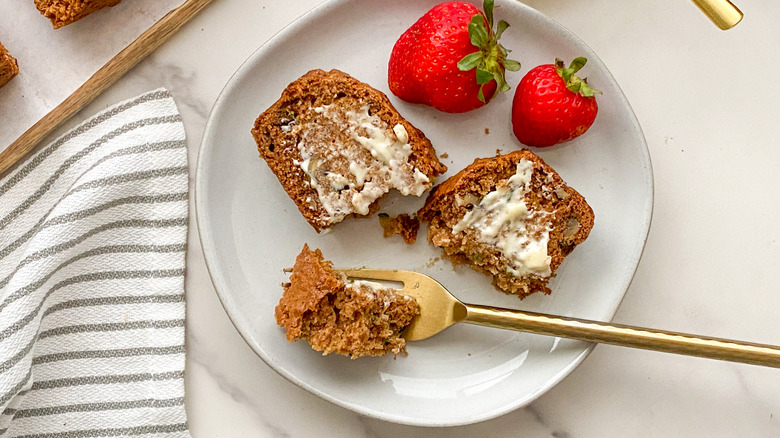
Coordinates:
381 274
413 282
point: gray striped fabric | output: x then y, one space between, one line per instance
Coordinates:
93 233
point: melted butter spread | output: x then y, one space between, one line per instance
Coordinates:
502 219
353 157
371 289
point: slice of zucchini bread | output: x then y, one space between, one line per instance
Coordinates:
338 315
509 216
338 145
64 12
8 66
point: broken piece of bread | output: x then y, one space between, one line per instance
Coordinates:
64 12
339 315
8 66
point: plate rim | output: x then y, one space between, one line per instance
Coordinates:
201 218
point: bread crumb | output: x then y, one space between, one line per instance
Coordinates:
402 224
432 262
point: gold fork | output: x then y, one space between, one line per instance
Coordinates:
439 309
722 12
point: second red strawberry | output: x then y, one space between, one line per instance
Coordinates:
553 105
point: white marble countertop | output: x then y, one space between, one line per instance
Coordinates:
706 101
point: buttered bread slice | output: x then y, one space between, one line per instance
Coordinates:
338 145
509 216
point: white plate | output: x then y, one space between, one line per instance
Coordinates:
250 230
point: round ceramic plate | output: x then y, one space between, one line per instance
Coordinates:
250 230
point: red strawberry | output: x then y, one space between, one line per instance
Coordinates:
552 105
451 59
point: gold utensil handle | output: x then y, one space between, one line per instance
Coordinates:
624 335
722 12
114 69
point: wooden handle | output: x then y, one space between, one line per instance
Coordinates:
722 12
114 69
626 336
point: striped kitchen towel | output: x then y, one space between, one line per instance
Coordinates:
93 232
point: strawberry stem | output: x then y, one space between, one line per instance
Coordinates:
490 61
573 82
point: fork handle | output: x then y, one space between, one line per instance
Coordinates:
624 335
722 12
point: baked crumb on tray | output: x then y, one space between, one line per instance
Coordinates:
404 225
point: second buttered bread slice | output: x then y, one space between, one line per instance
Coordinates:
338 146
511 217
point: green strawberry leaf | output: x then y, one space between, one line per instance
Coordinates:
511 65
574 85
478 32
487 6
500 82
502 25
587 91
483 76
577 64
470 61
